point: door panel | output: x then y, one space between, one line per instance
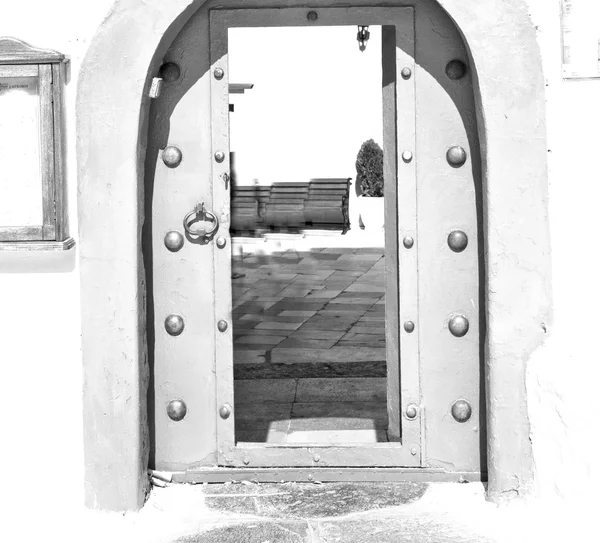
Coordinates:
181 279
448 280
427 282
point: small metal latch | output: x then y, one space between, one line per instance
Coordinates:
155 87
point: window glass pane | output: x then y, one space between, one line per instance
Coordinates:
20 174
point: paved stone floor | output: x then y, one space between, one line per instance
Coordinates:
302 513
309 344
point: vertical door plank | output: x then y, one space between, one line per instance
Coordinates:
181 280
219 99
406 226
390 177
448 280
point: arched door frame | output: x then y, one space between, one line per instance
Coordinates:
112 117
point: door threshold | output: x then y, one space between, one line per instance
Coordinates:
324 475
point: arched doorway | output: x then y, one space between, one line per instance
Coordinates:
118 268
428 111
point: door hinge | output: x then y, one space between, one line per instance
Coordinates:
155 87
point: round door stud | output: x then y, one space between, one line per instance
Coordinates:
170 72
406 73
456 156
457 241
409 326
411 411
225 411
456 69
221 242
176 410
408 242
219 156
222 325
407 156
458 325
312 16
461 411
414 451
174 325
172 156
173 241
218 73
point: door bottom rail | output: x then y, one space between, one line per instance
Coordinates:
323 475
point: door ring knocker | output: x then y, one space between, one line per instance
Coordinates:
199 214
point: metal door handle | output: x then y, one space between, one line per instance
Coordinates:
200 215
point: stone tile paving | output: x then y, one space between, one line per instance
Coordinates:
296 501
309 345
319 513
288 299
335 512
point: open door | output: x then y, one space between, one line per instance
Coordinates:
403 445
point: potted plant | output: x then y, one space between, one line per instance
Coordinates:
369 181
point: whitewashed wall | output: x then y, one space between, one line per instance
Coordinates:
563 375
40 384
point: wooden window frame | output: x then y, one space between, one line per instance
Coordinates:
19 59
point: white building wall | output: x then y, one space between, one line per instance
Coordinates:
41 455
563 375
40 385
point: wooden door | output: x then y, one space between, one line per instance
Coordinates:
433 258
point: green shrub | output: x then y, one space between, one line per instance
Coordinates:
369 169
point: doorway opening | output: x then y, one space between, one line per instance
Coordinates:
308 237
314 305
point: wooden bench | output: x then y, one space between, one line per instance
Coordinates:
285 208
248 205
327 204
320 203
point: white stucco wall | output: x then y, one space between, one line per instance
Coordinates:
40 384
563 375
